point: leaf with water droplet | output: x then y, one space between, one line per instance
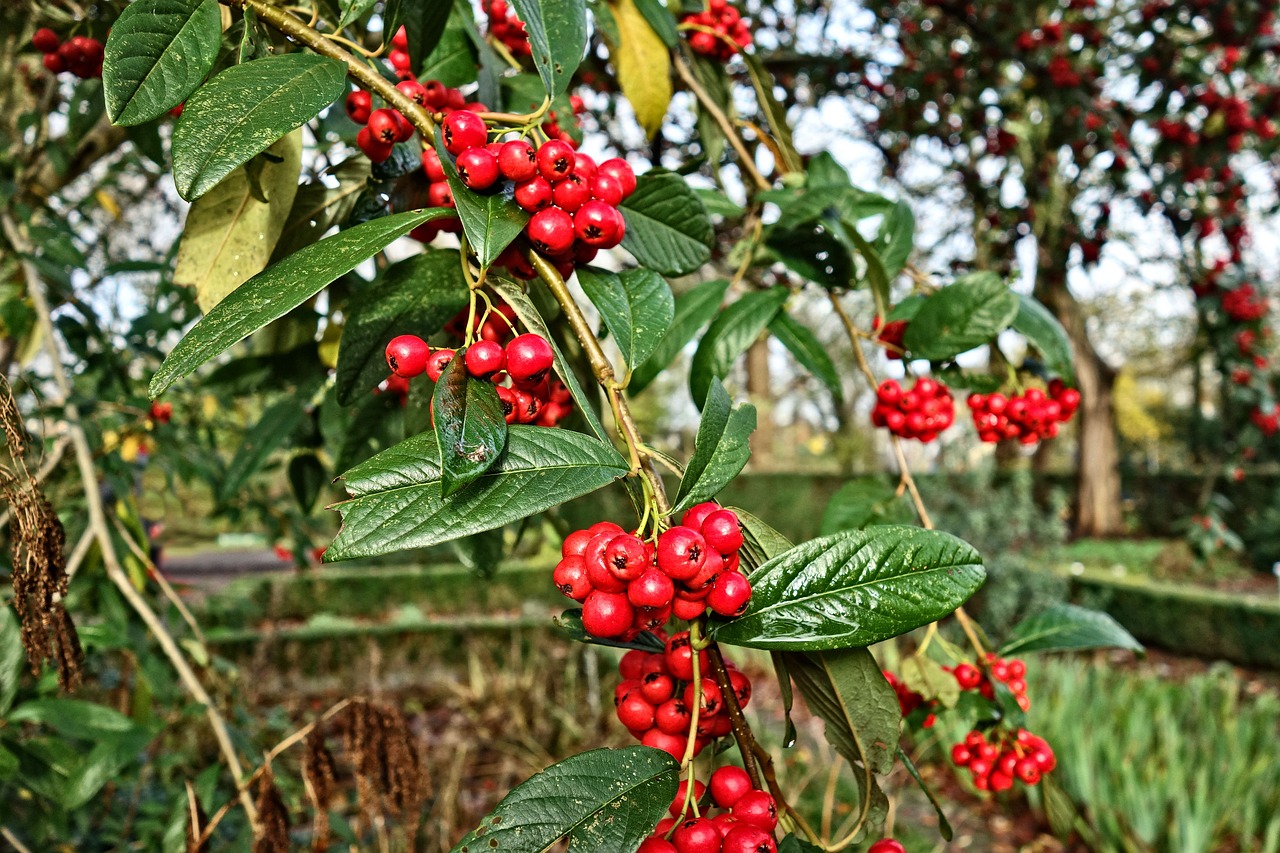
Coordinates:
470 428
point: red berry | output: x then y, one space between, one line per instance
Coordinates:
571 193
551 231
652 589
710 701
681 552
682 792
673 717
478 168
607 189
463 130
758 809
656 686
484 358
533 194
887 845
621 171
359 106
606 614
729 784
555 160
744 838
635 713
407 356
529 359
598 224
517 160
671 744
730 594
431 165
697 835
570 575
440 194
722 531
383 125
438 361
657 845
625 557
45 40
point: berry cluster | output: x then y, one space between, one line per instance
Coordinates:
531 398
574 200
657 695
890 336
995 764
507 29
81 55
160 413
909 700
921 413
745 825
1244 304
1011 673
1028 417
729 27
627 585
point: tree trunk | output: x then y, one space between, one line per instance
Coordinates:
1098 511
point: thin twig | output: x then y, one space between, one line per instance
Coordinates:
745 161
169 592
13 839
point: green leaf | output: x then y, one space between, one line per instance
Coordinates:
814 250
490 221
721 449
873 272
906 309
157 54
558 37
637 307
424 23
454 60
318 207
731 333
861 502
668 229
604 800
74 718
660 18
1067 627
13 658
898 232
103 763
352 10
280 288
809 351
397 502
1043 331
306 478
533 322
849 693
944 825
761 543
796 844
694 309
926 676
764 82
416 296
965 314
230 234
470 428
855 588
240 112
824 171
275 426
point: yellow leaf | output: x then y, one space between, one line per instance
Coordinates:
329 341
643 65
230 234
107 203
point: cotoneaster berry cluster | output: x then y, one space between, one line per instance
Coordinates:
658 693
994 764
1029 417
81 55
719 32
921 413
507 29
627 584
744 824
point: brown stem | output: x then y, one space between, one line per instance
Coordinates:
357 70
726 127
98 519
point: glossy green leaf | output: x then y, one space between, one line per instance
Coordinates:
491 220
1043 331
855 588
352 10
808 350
279 289
760 542
873 271
271 431
604 801
102 764
397 501
533 322
74 718
158 53
416 296
721 449
241 111
453 61
861 502
1067 627
318 207
764 82
423 21
693 309
824 171
558 37
636 305
470 428
668 229
307 477
731 333
814 250
13 658
898 233
906 309
944 825
967 313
